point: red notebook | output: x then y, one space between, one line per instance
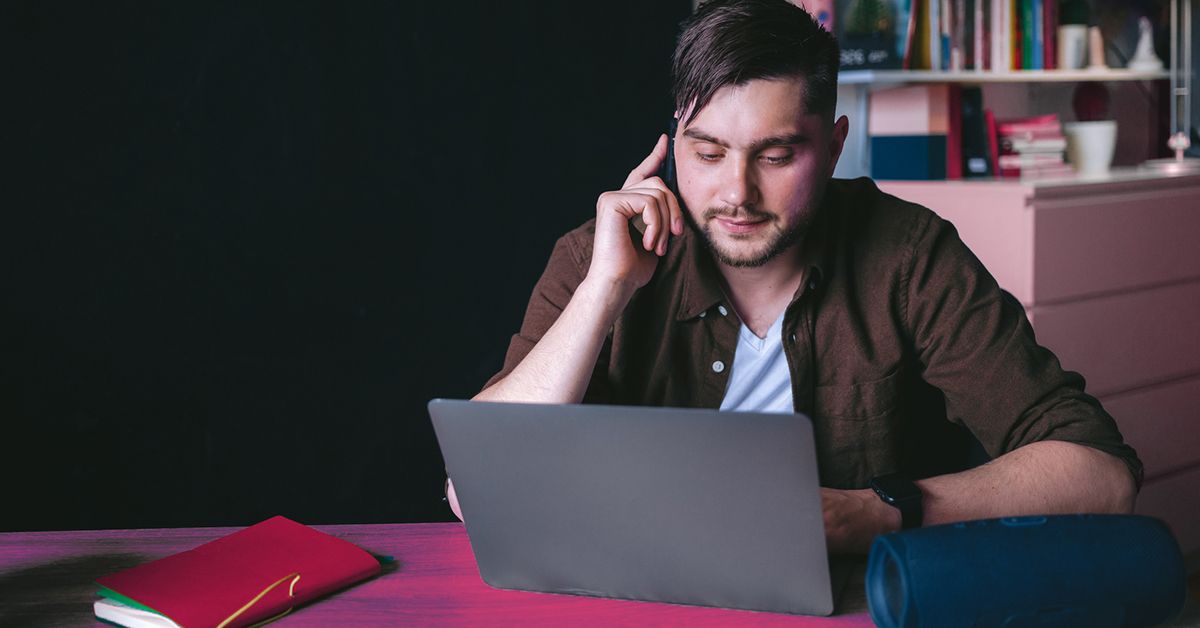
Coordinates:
252 575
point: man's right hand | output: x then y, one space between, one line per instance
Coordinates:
559 367
616 257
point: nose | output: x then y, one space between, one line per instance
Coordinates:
738 186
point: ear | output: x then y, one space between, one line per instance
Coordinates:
837 141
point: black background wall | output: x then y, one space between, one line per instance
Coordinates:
243 244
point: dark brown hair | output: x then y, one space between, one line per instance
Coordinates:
730 42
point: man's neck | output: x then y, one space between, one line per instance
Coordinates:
761 294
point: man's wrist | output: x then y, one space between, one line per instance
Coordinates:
889 517
902 495
611 293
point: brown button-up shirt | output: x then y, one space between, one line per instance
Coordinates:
902 348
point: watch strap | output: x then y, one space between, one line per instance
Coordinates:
903 494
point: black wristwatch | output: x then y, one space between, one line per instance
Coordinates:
899 491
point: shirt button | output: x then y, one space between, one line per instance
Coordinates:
723 311
718 366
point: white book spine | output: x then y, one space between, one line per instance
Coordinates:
1006 35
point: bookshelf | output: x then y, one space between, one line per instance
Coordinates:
1010 93
1137 96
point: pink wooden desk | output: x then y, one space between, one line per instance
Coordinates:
46 578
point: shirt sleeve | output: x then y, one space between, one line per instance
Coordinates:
564 272
977 346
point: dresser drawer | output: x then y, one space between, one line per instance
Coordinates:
1162 423
1098 244
1128 340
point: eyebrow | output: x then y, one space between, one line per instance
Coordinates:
755 146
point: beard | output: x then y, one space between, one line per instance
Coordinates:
774 241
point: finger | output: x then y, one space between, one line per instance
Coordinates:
650 216
642 206
650 165
661 218
666 222
664 207
670 201
676 213
639 223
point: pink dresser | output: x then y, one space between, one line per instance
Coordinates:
1109 273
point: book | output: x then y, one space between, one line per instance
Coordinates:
1050 34
975 152
999 36
920 49
915 132
993 141
1031 126
1026 34
954 133
869 37
1030 147
921 109
946 23
935 34
1028 161
908 157
912 17
255 574
1038 36
1015 40
1049 144
961 35
982 45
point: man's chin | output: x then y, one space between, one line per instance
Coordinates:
749 252
745 256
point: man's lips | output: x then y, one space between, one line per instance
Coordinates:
740 225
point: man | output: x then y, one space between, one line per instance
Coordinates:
769 286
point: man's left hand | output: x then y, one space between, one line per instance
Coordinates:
854 518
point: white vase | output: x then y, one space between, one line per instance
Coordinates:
1091 145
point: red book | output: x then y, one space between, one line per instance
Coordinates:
993 143
1036 126
1050 34
910 38
250 576
954 136
1018 43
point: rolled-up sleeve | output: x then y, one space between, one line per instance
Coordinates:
976 345
564 272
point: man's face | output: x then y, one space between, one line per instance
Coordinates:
752 168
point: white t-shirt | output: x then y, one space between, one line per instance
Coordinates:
759 380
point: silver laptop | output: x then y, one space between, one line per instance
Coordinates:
660 504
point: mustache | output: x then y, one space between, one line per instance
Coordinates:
735 212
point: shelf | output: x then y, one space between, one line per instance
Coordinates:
883 77
1117 175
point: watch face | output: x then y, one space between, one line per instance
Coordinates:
896 487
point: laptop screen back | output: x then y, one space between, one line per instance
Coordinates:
661 504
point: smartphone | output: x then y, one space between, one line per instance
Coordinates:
666 172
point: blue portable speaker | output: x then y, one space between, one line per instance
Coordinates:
1062 570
